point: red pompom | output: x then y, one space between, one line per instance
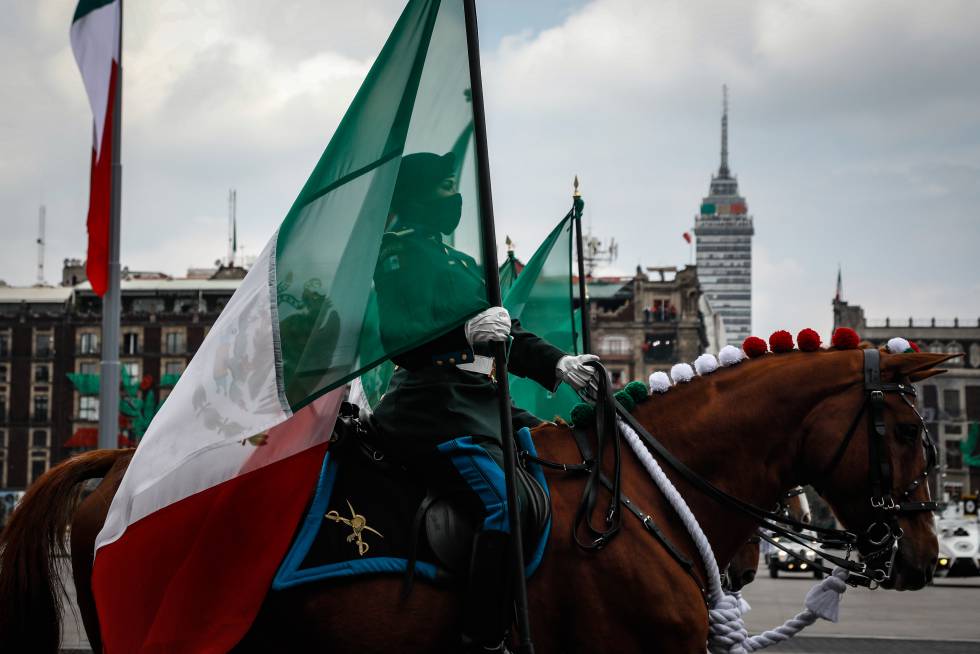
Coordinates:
754 346
808 340
845 338
146 383
914 346
781 341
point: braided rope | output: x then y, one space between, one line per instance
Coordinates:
726 629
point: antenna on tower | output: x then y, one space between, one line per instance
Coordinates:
723 170
40 245
232 226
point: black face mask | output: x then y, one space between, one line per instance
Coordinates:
440 215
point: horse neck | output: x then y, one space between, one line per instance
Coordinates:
740 429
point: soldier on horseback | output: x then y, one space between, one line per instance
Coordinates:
440 411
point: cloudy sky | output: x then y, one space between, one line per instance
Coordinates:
855 133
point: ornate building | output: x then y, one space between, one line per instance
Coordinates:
948 402
724 247
640 324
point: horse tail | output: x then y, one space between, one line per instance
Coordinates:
31 589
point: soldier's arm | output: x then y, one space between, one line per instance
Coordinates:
533 357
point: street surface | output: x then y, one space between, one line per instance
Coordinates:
939 619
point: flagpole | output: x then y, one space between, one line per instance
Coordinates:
111 301
493 296
578 204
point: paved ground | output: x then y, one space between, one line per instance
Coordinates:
942 618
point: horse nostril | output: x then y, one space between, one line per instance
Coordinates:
748 577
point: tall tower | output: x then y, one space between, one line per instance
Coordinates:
724 233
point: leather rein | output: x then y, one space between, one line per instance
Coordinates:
878 544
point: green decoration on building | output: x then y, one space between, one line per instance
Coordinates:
971 456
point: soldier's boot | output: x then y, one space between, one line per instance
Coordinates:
487 603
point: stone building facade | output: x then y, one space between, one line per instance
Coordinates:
948 402
647 322
48 333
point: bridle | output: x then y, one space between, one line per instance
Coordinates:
881 538
879 542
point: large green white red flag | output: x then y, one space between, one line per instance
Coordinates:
210 501
95 42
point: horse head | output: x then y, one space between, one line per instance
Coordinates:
867 451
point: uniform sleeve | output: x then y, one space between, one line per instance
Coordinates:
533 357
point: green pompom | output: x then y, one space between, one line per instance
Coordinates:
624 398
583 414
637 390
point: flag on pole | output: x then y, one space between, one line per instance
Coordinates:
541 298
840 287
210 501
687 237
95 42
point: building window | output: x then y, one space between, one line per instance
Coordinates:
131 343
658 350
132 369
954 457
40 408
148 305
954 348
951 402
43 344
88 367
88 343
614 345
4 374
3 475
40 438
88 408
37 463
173 368
975 355
174 342
5 344
936 347
42 373
3 407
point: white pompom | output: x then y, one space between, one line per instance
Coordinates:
898 345
659 382
706 364
730 355
682 372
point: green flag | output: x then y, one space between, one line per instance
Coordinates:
508 272
541 298
971 454
331 326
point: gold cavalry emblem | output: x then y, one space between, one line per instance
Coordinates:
358 524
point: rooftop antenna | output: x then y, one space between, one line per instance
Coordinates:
40 245
723 170
232 226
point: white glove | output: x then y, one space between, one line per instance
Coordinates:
573 371
490 325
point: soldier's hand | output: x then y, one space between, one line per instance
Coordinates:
490 325
573 371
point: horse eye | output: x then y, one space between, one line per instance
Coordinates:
907 434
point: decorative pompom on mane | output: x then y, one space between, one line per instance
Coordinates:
730 355
583 414
659 382
781 341
682 372
808 340
845 338
637 390
754 347
706 364
914 346
625 399
899 345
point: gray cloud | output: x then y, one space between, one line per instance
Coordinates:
854 132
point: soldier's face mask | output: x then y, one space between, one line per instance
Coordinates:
440 214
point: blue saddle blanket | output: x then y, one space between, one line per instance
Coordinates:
360 520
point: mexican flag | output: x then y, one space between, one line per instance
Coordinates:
95 42
209 504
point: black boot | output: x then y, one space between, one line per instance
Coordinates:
487 602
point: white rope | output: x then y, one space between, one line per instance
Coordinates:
726 629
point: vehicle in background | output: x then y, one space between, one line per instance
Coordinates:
779 561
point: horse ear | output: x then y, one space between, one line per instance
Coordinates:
905 365
926 374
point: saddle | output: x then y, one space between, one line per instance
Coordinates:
372 513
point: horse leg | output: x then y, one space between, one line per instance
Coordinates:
85 526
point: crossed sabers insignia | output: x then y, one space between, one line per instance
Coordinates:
356 522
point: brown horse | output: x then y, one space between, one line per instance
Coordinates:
754 430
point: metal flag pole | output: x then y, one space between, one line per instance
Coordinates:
578 204
111 301
499 350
